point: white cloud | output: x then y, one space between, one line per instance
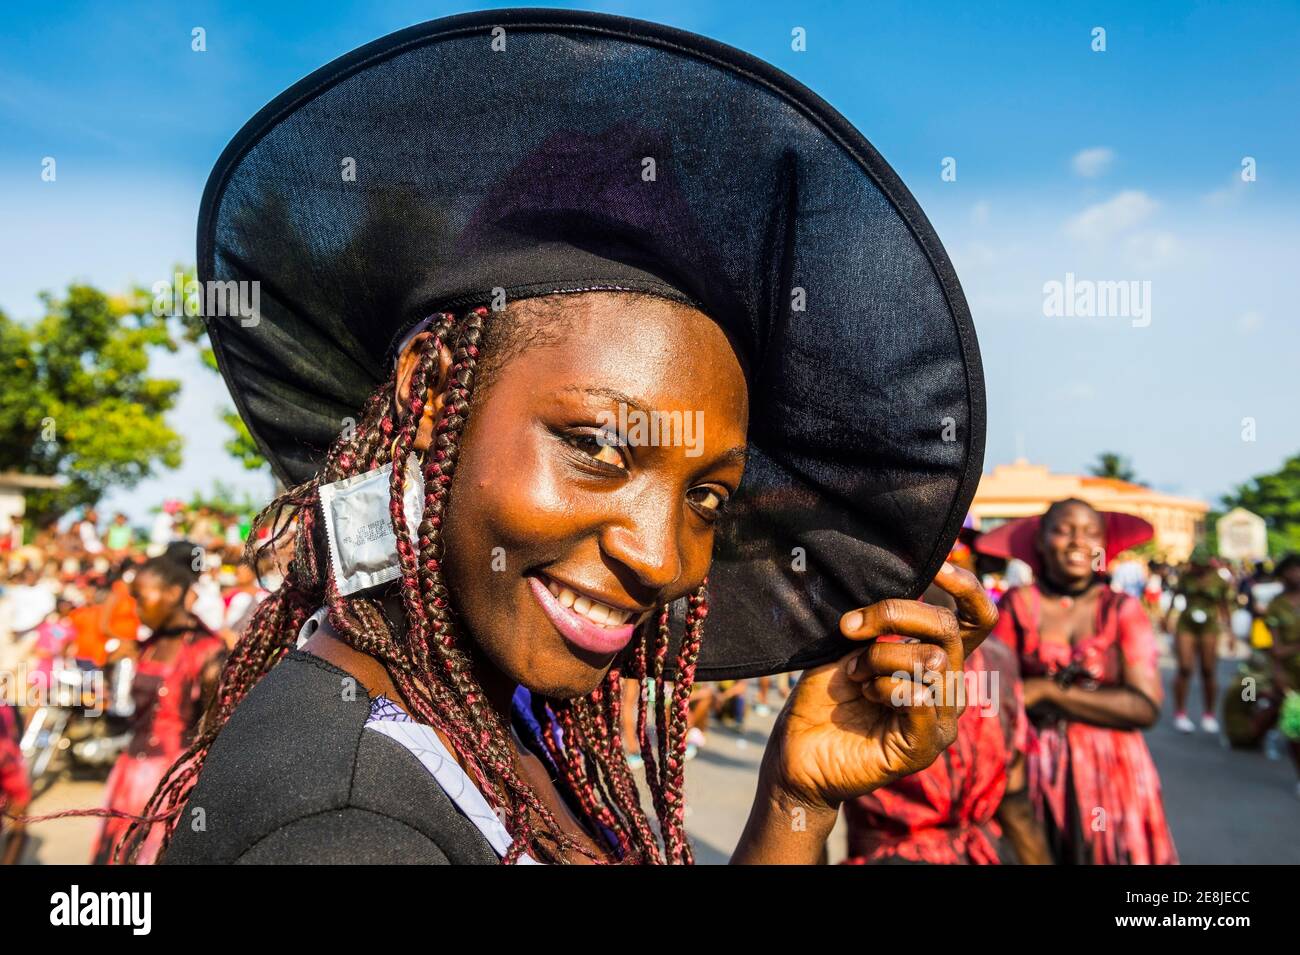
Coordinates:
1091 163
1118 214
977 254
1229 195
1247 322
1152 250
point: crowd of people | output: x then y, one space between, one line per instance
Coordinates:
1061 774
159 608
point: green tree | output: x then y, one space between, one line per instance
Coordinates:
78 401
1112 465
1276 498
223 502
240 444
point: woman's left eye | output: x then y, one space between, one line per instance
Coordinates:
708 500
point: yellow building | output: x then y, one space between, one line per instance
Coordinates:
1022 489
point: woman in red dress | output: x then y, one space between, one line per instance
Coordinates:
15 788
1088 658
176 673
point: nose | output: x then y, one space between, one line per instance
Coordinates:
645 539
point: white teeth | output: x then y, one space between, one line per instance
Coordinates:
593 610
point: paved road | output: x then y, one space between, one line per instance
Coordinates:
1224 806
64 841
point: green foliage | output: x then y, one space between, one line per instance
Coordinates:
78 401
1276 498
241 445
1112 465
223 502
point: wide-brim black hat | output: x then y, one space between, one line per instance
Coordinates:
535 151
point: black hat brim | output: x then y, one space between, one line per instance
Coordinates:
867 404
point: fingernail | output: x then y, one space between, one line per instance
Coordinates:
852 621
947 568
853 665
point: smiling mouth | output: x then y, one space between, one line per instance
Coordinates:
585 622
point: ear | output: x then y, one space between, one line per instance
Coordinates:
406 363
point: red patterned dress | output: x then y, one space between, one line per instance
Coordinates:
15 786
944 815
167 710
1096 786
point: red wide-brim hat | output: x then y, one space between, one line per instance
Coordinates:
1018 539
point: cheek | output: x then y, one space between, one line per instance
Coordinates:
506 513
519 497
514 496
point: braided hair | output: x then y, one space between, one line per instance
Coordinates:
429 660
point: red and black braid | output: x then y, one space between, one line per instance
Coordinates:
429 660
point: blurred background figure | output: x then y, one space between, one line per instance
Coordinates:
1088 659
1282 618
763 700
176 674
15 788
1197 619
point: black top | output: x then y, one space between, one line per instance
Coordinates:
294 778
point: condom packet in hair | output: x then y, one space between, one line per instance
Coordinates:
359 525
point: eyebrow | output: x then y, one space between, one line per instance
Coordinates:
611 393
738 454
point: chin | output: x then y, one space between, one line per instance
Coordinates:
1073 577
558 672
567 681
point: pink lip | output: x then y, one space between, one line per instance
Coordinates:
577 629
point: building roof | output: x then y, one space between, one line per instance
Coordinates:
15 480
1022 482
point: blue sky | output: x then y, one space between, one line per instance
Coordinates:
1122 165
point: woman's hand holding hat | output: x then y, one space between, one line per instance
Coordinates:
879 713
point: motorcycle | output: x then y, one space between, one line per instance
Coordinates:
83 724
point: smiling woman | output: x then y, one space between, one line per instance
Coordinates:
1091 684
503 317
617 526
